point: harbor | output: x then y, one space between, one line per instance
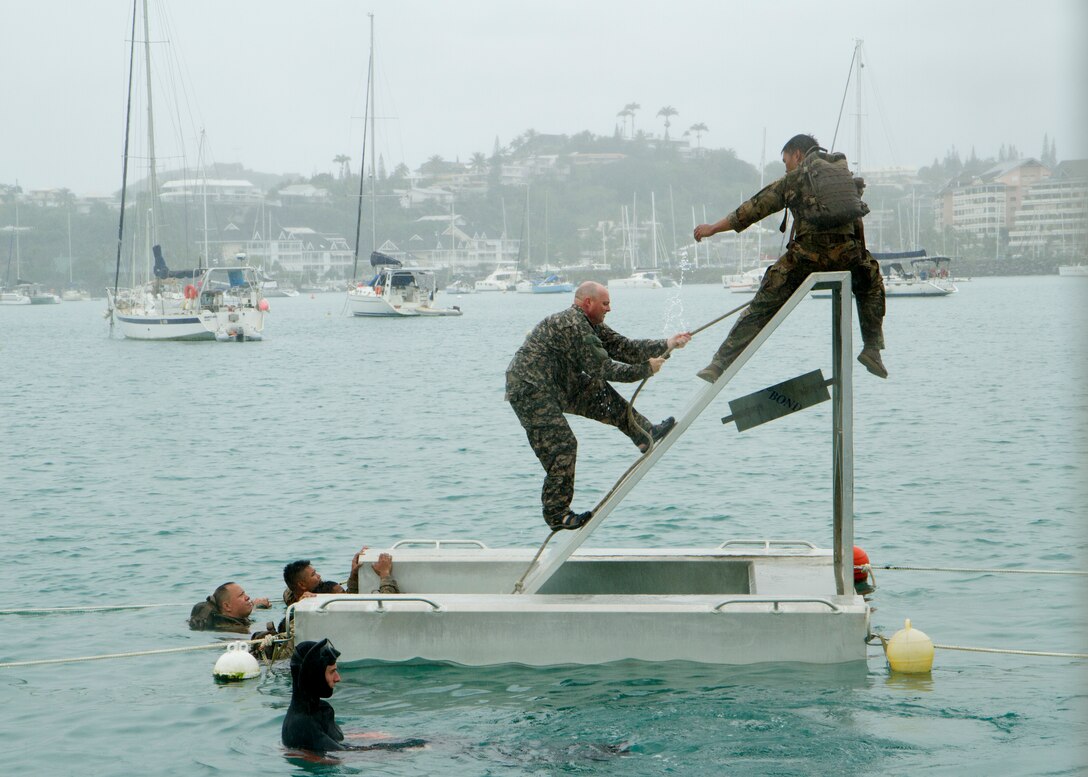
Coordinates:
336 456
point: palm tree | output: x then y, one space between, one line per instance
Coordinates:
479 163
698 129
632 107
624 114
345 168
667 111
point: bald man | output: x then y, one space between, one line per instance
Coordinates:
563 367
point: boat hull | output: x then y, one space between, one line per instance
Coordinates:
239 326
708 606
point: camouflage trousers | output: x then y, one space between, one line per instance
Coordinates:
784 277
550 436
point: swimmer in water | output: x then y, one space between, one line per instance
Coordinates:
310 723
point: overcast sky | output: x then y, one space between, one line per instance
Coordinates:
278 84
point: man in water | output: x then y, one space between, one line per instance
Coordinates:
227 609
811 249
310 723
563 367
302 579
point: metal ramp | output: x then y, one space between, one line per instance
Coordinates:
562 544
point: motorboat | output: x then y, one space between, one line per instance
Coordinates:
735 602
1074 270
928 276
218 303
270 287
746 282
642 279
14 296
500 279
551 284
460 286
396 290
74 295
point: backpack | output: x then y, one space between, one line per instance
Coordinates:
830 194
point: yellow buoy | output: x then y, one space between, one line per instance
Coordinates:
910 651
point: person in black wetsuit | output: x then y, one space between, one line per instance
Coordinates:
310 723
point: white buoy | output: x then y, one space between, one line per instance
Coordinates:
910 651
236 664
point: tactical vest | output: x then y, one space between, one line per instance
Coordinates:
830 194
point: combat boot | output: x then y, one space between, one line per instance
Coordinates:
711 372
870 359
658 431
569 520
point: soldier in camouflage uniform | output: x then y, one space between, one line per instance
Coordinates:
562 368
810 249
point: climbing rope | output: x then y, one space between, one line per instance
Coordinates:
163 651
993 571
103 608
666 355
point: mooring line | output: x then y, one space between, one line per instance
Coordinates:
90 608
162 651
993 571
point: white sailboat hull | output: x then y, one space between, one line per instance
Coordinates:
1074 270
205 325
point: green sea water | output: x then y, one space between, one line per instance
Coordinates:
148 473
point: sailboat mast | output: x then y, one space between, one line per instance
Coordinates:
69 244
857 100
362 161
653 226
153 187
124 161
373 168
204 197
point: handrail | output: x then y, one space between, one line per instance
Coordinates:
777 600
768 544
381 599
437 543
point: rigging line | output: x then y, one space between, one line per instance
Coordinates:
995 571
134 653
845 91
90 608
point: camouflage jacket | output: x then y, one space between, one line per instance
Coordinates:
566 345
783 193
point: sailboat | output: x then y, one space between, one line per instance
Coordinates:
206 303
394 291
72 294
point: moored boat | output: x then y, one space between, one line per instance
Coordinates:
395 291
642 279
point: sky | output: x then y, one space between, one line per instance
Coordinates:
279 85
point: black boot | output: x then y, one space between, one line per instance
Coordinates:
658 431
569 520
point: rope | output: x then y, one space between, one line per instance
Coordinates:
884 645
1012 652
520 584
103 608
666 355
163 651
994 571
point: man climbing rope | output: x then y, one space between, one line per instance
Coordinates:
827 235
562 367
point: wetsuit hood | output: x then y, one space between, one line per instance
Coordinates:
308 664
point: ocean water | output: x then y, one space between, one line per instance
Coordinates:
148 473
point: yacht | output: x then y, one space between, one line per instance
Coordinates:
642 279
396 291
501 279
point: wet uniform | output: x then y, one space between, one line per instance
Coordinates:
811 249
563 367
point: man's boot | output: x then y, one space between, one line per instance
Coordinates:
870 358
711 372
